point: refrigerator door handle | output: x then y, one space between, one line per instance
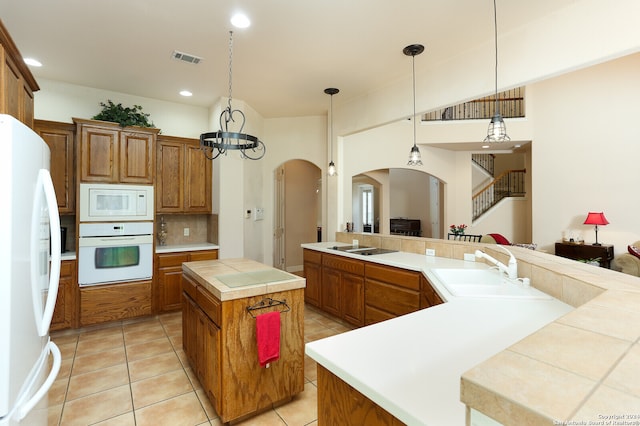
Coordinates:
45 184
25 408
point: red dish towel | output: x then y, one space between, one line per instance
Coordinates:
268 337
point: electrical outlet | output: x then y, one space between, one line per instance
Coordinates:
470 257
185 232
430 252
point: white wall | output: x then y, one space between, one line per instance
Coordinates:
58 101
585 153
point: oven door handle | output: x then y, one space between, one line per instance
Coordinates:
114 241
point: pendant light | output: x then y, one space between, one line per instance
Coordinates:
497 131
332 167
216 143
414 155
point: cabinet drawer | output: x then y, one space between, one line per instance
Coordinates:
189 286
373 315
400 277
172 259
204 255
209 304
390 298
312 256
343 264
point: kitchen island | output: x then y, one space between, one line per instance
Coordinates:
411 366
480 361
221 300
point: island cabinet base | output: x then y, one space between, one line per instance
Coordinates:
341 404
219 339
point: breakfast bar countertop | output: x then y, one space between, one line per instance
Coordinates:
411 365
229 279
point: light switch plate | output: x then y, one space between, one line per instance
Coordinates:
470 257
185 232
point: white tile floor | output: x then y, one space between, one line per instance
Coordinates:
136 373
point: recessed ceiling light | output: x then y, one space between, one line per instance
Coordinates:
32 62
240 20
186 93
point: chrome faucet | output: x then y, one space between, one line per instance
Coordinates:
511 270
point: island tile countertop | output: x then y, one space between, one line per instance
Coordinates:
229 279
411 365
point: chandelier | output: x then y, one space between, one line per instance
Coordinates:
216 143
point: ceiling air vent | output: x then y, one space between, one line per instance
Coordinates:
186 57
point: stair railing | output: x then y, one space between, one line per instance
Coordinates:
510 183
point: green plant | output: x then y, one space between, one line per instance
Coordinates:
125 116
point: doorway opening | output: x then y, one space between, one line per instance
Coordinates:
298 212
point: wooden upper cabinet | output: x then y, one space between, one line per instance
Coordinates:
197 180
60 139
16 81
170 176
136 157
111 154
183 176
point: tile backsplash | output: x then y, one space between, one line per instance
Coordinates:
200 228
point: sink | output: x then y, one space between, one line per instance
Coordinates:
485 283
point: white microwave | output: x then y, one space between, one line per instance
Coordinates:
115 202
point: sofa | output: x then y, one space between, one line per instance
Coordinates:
629 262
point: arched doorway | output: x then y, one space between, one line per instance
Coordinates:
298 212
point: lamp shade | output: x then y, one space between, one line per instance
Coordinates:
594 218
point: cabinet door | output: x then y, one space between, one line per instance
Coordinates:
189 328
170 288
11 87
211 369
331 291
168 280
352 298
136 157
99 154
170 177
197 181
59 138
313 275
65 305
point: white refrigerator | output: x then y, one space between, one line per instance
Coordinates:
29 273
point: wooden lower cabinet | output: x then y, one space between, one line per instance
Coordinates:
168 277
362 292
112 302
342 292
390 292
341 404
313 275
220 343
64 312
429 296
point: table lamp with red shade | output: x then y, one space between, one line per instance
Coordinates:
596 219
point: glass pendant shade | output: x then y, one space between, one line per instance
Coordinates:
497 131
332 169
414 157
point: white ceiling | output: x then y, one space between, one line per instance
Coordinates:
282 63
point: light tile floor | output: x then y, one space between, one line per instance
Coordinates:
136 373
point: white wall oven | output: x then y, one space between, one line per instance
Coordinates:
114 252
101 202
